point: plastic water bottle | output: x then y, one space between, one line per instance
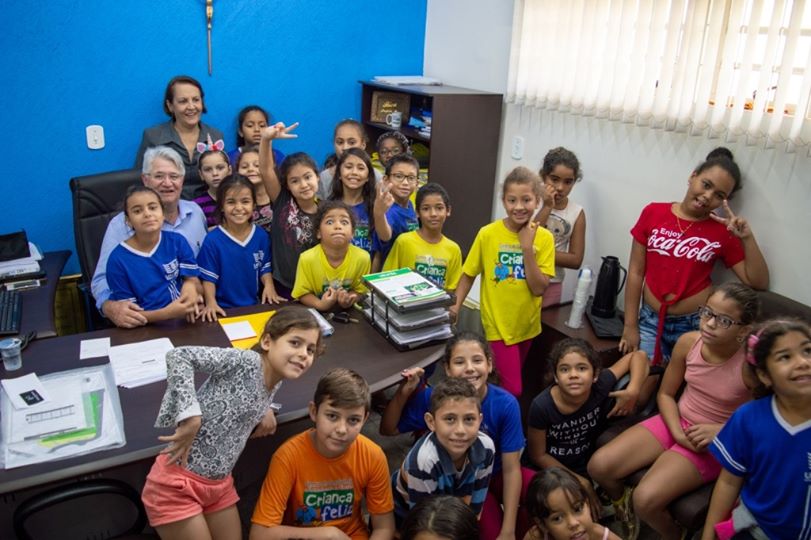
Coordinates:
581 297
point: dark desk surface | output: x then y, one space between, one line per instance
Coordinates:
555 317
357 346
38 304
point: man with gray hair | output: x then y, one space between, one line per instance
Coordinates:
162 171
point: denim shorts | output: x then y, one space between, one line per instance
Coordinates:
675 326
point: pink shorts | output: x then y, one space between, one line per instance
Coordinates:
171 493
708 467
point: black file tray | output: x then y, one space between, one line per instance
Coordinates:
385 327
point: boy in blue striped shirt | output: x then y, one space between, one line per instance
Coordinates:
454 458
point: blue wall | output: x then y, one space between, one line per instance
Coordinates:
67 64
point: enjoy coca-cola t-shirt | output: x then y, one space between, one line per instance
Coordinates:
680 254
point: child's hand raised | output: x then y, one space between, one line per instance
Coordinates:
180 442
412 377
279 131
526 235
734 224
384 199
548 194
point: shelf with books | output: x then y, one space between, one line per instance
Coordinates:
462 145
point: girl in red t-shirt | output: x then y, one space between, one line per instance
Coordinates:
674 250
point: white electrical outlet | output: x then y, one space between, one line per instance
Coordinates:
95 137
518 147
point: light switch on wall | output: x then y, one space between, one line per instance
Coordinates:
95 137
517 147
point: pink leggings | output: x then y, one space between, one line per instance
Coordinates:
492 514
509 361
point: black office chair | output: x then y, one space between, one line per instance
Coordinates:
96 199
101 515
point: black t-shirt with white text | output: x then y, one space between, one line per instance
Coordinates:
570 437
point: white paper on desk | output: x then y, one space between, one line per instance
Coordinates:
238 330
26 391
94 348
137 364
63 412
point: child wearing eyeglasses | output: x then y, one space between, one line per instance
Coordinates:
674 443
394 212
390 144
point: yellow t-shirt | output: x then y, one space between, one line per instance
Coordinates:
510 312
304 489
441 262
315 274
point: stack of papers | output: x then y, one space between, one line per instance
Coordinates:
137 364
412 338
405 288
408 80
81 414
408 308
414 320
23 266
239 335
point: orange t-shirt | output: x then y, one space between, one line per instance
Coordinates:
304 489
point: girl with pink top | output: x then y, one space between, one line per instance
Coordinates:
674 442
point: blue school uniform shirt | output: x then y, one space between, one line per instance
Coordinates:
363 236
401 219
501 419
190 222
235 266
151 280
429 470
774 458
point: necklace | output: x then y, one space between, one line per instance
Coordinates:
683 230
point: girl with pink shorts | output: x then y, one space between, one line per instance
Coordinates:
189 493
674 443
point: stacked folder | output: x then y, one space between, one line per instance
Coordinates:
407 308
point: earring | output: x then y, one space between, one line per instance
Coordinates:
739 339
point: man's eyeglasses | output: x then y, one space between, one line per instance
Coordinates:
721 320
399 177
160 177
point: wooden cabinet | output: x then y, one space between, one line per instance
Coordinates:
463 147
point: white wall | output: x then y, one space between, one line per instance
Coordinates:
624 166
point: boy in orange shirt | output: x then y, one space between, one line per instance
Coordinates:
317 478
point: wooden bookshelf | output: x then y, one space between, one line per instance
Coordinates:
463 147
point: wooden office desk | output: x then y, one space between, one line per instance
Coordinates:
554 326
38 304
357 346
